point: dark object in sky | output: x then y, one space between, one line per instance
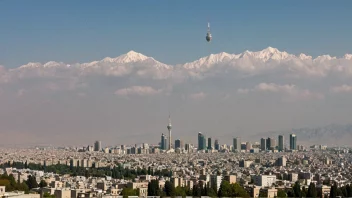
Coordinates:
208 37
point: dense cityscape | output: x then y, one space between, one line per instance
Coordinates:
268 168
259 95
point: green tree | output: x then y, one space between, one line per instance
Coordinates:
225 189
180 191
204 191
32 182
290 193
197 190
169 189
238 191
304 192
339 192
48 195
297 189
349 190
333 190
281 193
211 192
343 190
153 188
188 191
129 192
43 184
312 191
263 193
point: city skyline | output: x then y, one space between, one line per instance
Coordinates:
172 99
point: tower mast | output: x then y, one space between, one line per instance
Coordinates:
169 127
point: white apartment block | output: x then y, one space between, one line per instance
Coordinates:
264 180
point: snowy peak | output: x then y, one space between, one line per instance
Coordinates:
304 57
210 60
271 53
324 58
130 57
30 65
348 56
266 54
270 50
248 60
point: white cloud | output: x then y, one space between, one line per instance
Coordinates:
272 87
198 96
137 90
243 91
21 92
342 89
54 89
288 89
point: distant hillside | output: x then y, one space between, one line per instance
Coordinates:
330 135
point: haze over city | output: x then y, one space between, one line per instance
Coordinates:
71 74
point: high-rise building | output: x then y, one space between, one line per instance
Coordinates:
215 181
209 143
273 143
217 145
263 144
169 127
268 143
293 142
97 146
237 144
281 161
178 144
281 143
264 180
188 148
163 142
201 141
248 146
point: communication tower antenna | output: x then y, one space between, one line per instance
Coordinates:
208 37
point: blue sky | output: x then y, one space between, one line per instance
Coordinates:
170 31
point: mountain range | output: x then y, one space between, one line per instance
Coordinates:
132 57
331 135
246 63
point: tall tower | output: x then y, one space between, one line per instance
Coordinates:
169 127
209 143
236 144
163 143
263 144
201 141
97 146
281 143
293 142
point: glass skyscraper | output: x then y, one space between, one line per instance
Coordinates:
293 142
201 141
281 143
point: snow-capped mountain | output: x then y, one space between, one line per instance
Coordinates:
269 53
348 56
210 60
248 61
130 57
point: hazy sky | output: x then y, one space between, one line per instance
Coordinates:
75 100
